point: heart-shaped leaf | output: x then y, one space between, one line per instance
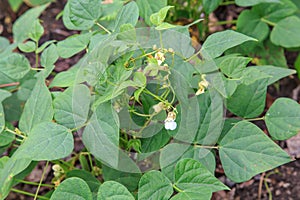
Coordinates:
283 119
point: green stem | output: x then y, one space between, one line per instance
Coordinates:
77 128
268 22
227 3
255 119
177 189
139 114
39 186
36 55
28 193
160 40
34 183
13 132
225 22
206 147
193 56
102 27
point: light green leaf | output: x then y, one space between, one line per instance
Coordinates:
283 119
210 5
249 23
84 13
140 78
275 73
25 88
158 18
23 25
248 101
15 66
47 141
72 188
72 106
190 175
73 45
154 185
246 151
4 43
5 137
65 78
148 7
234 66
251 74
129 14
254 2
38 107
27 47
101 135
113 190
37 31
285 32
219 42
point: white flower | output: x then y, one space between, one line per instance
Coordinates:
170 125
160 57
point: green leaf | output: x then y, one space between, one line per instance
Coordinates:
14 66
3 95
139 78
158 18
23 25
188 109
37 31
44 45
154 185
246 151
211 117
65 78
90 179
191 175
248 101
155 142
38 107
130 180
101 135
148 7
164 26
249 23
27 47
210 5
5 137
11 168
72 188
283 119
48 58
234 66
219 42
72 106
201 194
275 12
275 73
84 14
47 141
285 32
254 2
4 44
113 190
15 4
174 152
73 45
129 14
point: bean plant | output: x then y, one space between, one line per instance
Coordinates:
151 108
